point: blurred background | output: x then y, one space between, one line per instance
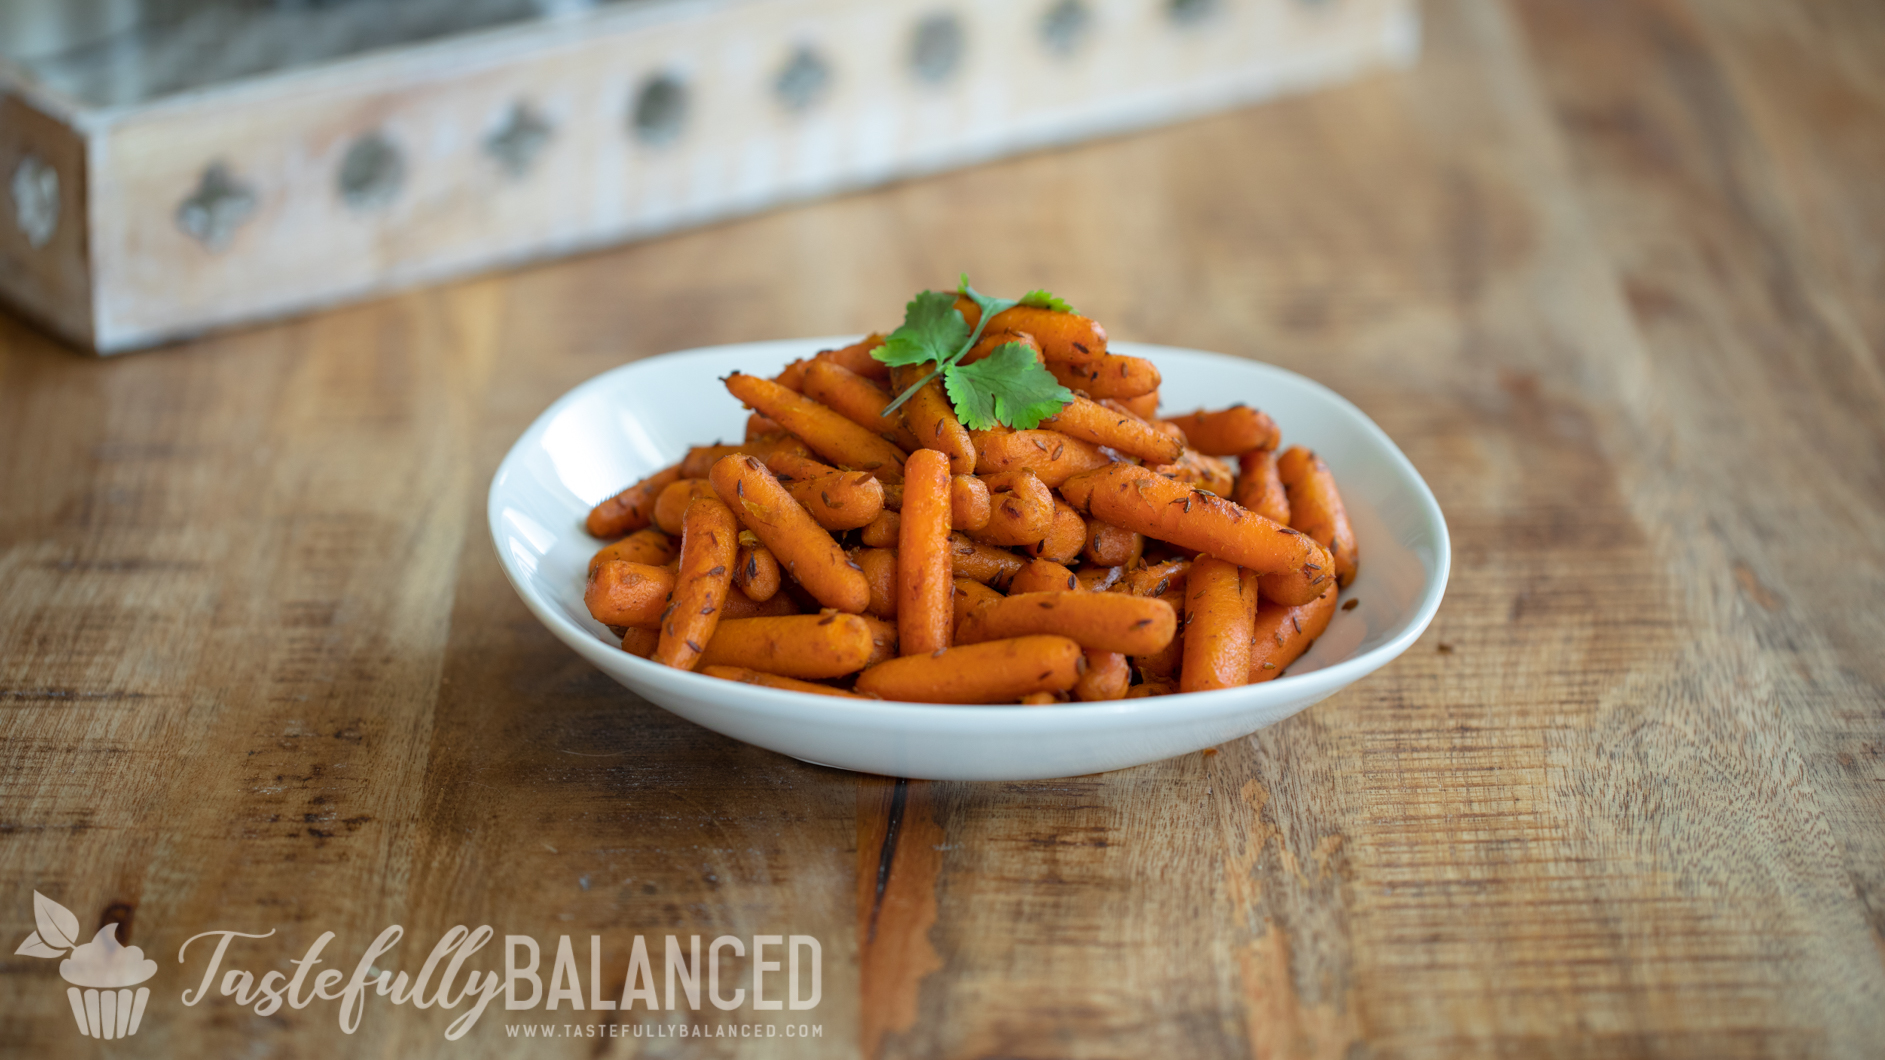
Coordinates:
178 165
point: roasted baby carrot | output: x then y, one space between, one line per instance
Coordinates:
1112 546
994 340
1053 456
841 500
1063 336
999 671
1021 509
755 570
1208 473
831 644
640 642
829 434
1220 609
1282 633
857 358
883 638
789 684
701 458
1090 421
859 400
1043 576
880 570
633 508
1227 432
1145 406
806 551
1107 677
968 501
1315 508
739 605
648 545
671 506
1259 488
931 417
1105 621
1163 508
882 531
709 539
969 594
1065 538
621 593
1110 375
987 564
1098 579
758 427
925 589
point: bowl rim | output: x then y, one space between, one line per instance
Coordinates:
1324 681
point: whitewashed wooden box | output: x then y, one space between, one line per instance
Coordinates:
144 213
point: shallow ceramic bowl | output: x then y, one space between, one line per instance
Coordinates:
627 423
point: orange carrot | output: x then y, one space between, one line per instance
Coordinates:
640 642
1064 539
1220 608
970 558
1063 336
883 638
1259 488
994 340
789 684
1052 456
932 418
1315 507
969 594
998 671
671 506
633 508
648 545
1098 579
924 587
1282 633
1208 473
1106 678
858 400
620 593
857 358
1021 506
1230 431
1089 421
831 644
880 570
755 570
1043 576
1106 621
882 531
1158 507
758 427
841 500
739 605
1110 375
829 434
802 547
709 539
1112 546
1145 406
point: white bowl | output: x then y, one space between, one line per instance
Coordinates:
624 424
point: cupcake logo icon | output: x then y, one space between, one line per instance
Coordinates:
102 971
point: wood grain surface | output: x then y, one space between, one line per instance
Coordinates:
1609 273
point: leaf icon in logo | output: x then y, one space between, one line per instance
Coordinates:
58 928
32 947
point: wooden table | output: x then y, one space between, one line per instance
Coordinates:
1609 272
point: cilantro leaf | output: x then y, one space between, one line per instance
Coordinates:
933 330
1008 386
1046 300
990 306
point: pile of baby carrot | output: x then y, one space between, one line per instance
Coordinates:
1105 554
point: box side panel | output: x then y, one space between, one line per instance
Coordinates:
44 257
267 200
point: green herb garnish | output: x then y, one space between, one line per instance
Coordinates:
1007 387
